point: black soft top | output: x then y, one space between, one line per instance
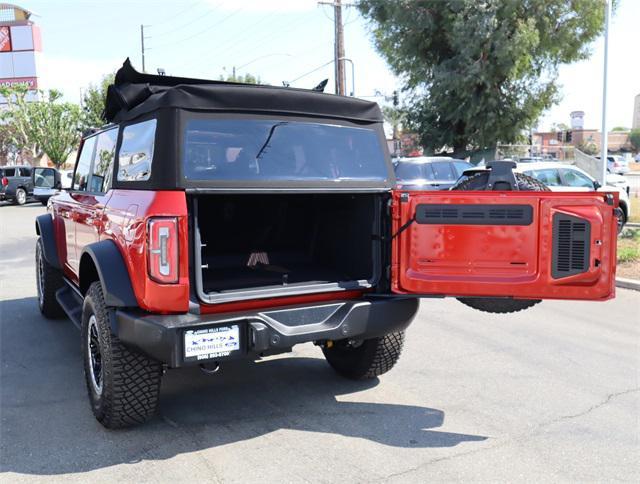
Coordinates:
134 94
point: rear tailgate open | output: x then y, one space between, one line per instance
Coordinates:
528 245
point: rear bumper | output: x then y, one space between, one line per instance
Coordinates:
271 331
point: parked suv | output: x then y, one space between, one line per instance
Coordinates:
16 183
429 172
212 221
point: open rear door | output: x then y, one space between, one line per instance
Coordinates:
527 245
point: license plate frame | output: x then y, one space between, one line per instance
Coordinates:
213 342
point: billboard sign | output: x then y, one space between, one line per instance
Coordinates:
29 82
5 39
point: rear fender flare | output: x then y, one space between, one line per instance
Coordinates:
45 229
112 272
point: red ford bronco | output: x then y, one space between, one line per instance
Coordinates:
211 221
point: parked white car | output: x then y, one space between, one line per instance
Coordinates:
560 177
617 164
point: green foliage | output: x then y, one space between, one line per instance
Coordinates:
245 79
46 126
620 128
478 72
588 147
634 137
93 102
628 254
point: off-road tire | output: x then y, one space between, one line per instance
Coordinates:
497 305
130 380
366 359
622 220
479 182
48 281
21 197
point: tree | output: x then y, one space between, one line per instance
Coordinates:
620 128
45 126
478 72
246 78
56 126
93 102
15 125
634 137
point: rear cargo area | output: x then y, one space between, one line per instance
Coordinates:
261 245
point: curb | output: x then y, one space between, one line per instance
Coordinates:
628 283
632 225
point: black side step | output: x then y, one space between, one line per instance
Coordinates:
71 302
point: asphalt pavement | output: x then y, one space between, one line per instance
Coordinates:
550 394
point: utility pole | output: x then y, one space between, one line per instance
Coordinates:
142 37
338 51
604 137
339 55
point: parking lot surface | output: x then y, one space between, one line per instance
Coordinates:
550 394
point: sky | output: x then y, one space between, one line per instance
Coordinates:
282 40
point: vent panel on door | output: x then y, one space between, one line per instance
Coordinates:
473 214
571 237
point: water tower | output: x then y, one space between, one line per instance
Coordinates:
577 120
20 47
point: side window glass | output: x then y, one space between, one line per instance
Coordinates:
103 164
442 170
574 178
81 175
461 166
136 151
549 177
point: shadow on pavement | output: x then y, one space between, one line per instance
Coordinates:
47 426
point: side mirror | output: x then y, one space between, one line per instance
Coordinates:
596 184
58 185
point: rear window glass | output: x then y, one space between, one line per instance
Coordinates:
244 149
414 171
9 172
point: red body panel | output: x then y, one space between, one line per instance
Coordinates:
126 224
501 260
81 219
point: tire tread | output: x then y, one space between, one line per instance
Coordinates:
131 380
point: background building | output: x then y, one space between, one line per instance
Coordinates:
20 48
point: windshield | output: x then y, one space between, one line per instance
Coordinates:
240 149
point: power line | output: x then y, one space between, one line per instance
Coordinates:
215 24
185 10
261 41
282 31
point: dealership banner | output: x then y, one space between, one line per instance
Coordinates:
30 82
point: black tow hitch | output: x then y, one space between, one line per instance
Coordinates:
501 176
